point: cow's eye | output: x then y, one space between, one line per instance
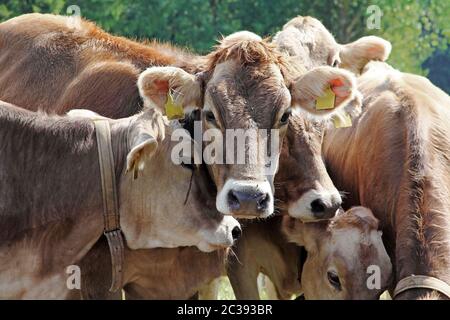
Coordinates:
285 117
210 117
333 279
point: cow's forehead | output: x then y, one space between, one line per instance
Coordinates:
257 91
306 36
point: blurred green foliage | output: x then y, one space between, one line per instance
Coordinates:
418 29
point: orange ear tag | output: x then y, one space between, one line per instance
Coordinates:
326 101
173 110
342 121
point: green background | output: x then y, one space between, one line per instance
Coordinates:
418 30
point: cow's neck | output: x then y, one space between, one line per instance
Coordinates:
406 197
170 273
144 55
422 224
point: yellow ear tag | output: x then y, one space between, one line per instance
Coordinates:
344 121
173 110
326 101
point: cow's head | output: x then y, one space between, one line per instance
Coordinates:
304 187
302 184
346 258
245 86
308 41
162 203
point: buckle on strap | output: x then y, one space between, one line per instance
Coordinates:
111 218
422 282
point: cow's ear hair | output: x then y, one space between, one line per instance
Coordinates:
355 55
142 147
307 88
156 82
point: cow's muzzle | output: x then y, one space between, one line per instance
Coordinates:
246 199
316 205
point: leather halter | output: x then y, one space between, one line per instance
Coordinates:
422 282
111 216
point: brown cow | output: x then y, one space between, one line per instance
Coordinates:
48 63
395 157
307 42
396 160
51 211
346 258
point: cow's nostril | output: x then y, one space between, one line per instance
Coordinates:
233 201
317 206
263 202
236 233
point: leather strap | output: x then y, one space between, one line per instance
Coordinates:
111 216
422 282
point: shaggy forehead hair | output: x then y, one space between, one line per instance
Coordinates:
246 52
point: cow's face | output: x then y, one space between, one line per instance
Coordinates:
244 87
164 204
306 40
346 257
251 97
303 186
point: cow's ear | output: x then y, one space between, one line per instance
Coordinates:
317 83
156 83
142 145
354 56
143 135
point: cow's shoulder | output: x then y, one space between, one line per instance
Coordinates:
401 92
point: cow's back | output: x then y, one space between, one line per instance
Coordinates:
57 64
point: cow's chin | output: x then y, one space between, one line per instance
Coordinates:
208 247
220 237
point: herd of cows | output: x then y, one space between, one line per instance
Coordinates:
184 225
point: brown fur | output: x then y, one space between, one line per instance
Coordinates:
57 63
39 148
49 226
395 160
345 245
263 248
301 165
